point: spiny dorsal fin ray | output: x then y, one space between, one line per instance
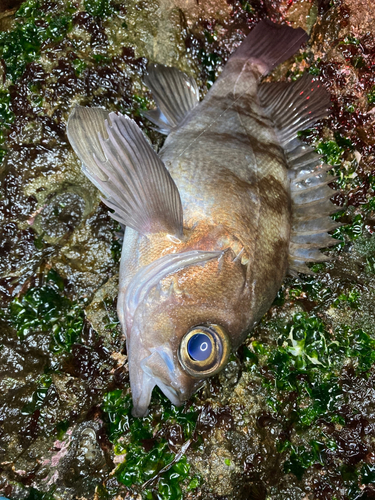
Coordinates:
175 94
119 160
293 107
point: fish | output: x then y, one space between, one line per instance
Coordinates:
215 220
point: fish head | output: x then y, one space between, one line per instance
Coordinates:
183 318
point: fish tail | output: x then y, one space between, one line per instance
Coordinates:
270 44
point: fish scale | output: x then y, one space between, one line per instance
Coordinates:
214 221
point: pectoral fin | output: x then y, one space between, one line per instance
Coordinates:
175 94
119 160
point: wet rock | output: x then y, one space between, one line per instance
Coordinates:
60 217
272 425
84 463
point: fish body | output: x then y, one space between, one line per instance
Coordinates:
229 204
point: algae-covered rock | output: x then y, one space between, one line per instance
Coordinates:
293 415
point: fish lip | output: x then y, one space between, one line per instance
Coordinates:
155 368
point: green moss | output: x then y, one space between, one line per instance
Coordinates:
142 463
45 309
32 29
99 8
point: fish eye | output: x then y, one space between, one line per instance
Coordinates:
204 350
199 347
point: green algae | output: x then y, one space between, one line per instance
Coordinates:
22 45
79 66
371 96
148 458
99 8
37 400
33 28
351 231
365 247
350 298
61 428
306 365
34 494
334 151
6 119
6 114
301 459
45 309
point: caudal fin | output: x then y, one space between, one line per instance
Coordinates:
270 44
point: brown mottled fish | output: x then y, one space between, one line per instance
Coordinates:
214 221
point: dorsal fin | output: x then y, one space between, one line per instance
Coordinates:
293 107
119 160
175 94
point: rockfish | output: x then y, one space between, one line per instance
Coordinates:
215 220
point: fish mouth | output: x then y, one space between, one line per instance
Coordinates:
158 368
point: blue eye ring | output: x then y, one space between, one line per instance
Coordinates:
204 350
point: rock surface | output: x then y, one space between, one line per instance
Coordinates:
293 414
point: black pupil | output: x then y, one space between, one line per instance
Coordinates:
199 347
